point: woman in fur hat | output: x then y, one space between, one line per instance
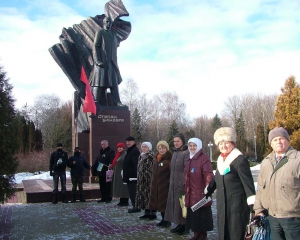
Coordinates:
235 187
160 181
144 172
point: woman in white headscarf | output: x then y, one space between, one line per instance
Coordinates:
144 173
198 174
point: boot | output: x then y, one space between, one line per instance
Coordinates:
81 197
162 222
63 198
146 214
73 198
196 236
152 215
55 201
166 224
203 236
183 230
175 229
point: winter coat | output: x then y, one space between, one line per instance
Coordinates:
120 190
279 187
144 174
198 174
105 51
106 156
130 163
55 156
78 168
160 182
176 189
233 189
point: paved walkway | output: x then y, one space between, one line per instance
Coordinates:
90 220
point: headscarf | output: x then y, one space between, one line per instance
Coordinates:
148 144
198 142
114 162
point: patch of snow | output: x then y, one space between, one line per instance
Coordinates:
256 167
19 177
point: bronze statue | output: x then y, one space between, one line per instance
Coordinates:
76 51
106 70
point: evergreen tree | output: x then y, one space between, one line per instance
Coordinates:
260 142
38 140
8 163
287 111
136 125
173 130
216 123
190 134
241 142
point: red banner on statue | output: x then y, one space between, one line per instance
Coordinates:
89 103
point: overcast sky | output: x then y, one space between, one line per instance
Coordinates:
205 51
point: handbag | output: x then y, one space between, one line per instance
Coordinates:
109 175
249 229
263 232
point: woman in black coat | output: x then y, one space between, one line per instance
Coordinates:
235 187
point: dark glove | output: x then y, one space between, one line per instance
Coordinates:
209 192
51 173
256 220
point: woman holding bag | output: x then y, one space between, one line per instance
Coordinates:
235 187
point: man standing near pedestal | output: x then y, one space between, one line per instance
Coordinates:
105 157
130 170
77 163
57 168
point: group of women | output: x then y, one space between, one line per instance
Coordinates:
165 177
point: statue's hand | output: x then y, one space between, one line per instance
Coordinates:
100 64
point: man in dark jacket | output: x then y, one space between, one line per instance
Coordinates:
105 157
77 163
57 168
130 170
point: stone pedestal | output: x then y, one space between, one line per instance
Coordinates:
113 125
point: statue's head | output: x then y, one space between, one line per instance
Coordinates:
107 23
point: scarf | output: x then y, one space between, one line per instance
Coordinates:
114 162
223 165
159 156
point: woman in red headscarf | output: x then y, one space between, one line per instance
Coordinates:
120 190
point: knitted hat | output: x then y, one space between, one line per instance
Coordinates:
121 145
59 145
148 144
227 134
278 132
164 143
181 136
130 138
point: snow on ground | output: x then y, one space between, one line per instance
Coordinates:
256 167
45 175
37 175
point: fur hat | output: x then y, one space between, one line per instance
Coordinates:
164 143
278 132
225 134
